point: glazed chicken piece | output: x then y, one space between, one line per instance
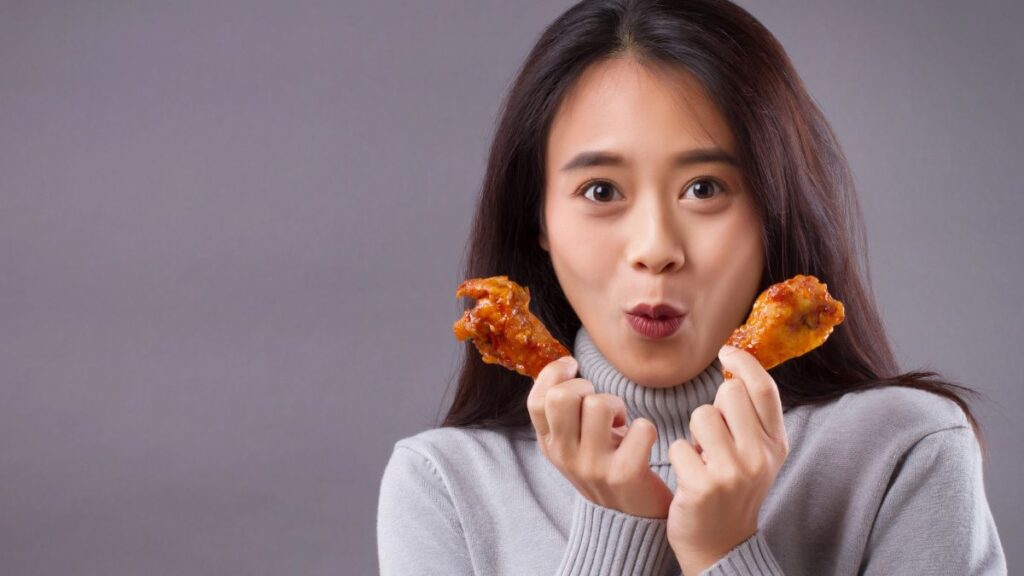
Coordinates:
789 319
503 328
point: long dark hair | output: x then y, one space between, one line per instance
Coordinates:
792 161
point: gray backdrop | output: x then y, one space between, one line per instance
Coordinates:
230 233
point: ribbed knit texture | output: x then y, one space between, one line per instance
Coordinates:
750 557
668 408
881 482
610 542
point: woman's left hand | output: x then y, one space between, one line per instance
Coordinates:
740 445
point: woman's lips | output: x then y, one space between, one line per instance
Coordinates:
656 328
656 310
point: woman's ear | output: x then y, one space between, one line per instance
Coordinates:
543 241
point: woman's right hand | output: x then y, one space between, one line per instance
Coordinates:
580 432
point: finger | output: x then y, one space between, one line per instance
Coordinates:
687 464
761 387
563 407
707 426
556 371
631 464
601 413
733 401
636 445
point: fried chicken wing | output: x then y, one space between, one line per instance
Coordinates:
503 328
789 319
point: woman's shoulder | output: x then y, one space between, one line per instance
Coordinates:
866 433
453 445
913 408
889 412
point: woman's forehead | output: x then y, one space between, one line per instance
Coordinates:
622 104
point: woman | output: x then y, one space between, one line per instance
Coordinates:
663 159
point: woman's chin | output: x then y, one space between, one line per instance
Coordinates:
663 378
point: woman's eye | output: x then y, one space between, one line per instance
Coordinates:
600 192
704 189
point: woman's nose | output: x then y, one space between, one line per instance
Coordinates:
656 245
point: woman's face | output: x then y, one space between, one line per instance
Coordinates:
660 216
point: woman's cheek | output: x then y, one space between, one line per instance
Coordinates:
586 247
585 269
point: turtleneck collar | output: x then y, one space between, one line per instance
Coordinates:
668 409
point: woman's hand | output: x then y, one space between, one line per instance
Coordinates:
740 445
584 435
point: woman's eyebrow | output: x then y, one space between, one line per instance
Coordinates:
590 159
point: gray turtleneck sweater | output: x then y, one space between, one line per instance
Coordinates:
879 482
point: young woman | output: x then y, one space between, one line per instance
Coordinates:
663 158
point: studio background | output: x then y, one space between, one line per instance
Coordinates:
230 235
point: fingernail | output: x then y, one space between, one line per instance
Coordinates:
570 365
727 350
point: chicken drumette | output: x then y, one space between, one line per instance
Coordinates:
789 319
503 328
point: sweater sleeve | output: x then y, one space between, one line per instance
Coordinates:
934 517
418 530
606 542
751 558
